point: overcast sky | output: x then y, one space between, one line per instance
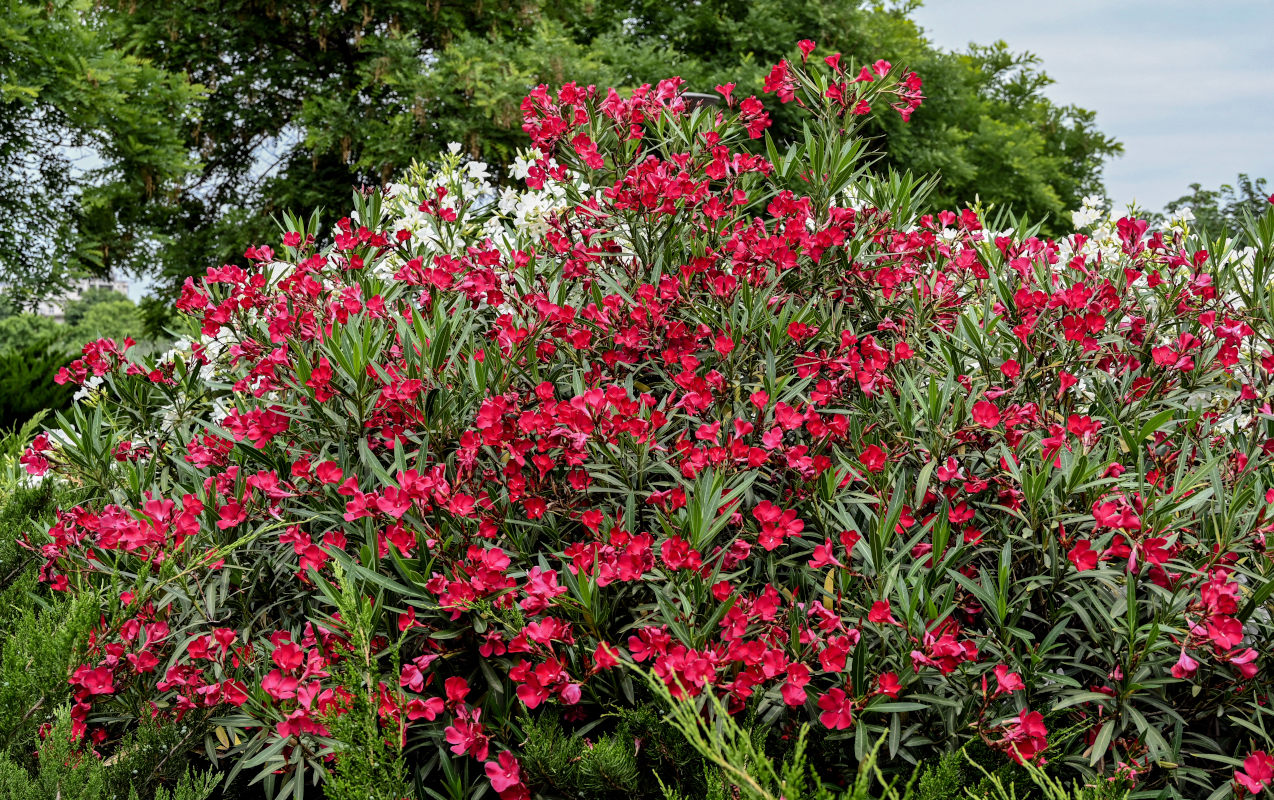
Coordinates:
1186 85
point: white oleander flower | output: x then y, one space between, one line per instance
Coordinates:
220 410
1085 217
87 389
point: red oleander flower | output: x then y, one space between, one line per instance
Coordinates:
1257 773
837 710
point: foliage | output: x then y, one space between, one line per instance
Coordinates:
12 445
23 508
723 742
64 769
27 384
479 458
37 657
1225 211
619 763
19 330
1051 788
986 130
42 631
370 763
106 315
306 101
33 348
94 140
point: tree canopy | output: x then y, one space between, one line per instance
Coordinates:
94 143
286 106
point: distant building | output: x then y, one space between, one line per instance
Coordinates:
56 308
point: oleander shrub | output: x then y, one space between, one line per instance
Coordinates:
43 635
428 492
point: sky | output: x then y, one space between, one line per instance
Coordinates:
1186 86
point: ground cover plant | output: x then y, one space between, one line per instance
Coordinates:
701 454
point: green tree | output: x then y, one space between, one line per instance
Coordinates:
309 99
74 311
1220 212
96 314
19 330
102 313
26 380
110 319
986 128
33 348
93 140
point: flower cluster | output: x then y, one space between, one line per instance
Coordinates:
679 407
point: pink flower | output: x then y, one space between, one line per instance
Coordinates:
881 613
604 657
776 524
94 681
1007 682
1185 667
279 686
504 773
986 414
824 555
33 460
234 692
781 82
457 689
1085 428
288 656
887 684
837 710
1026 737
466 736
873 458
328 472
723 344
412 678
798 676
1083 556
1258 772
1225 632
1244 661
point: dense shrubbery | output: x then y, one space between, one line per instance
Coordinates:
33 348
42 635
26 381
465 500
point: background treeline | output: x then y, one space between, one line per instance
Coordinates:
147 137
152 138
